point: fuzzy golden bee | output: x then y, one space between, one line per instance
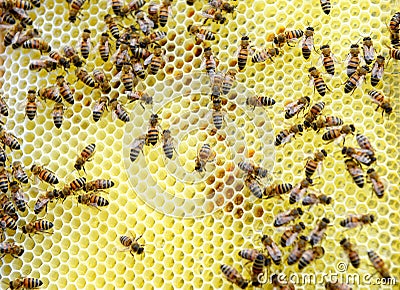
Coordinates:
85 43
318 232
285 37
46 64
85 156
102 81
98 184
31 105
201 33
328 59
353 59
74 9
307 43
73 57
356 79
104 46
8 139
379 264
112 25
382 102
50 93
259 101
84 76
340 132
11 33
25 37
38 44
61 60
355 171
315 163
325 122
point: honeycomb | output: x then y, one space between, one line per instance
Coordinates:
193 223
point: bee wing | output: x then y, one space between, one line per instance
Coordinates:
377 71
360 81
311 81
206 15
320 60
335 59
347 58
117 77
369 52
147 61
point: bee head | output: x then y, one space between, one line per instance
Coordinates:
369 171
24 229
87 30
325 220
324 152
299 211
328 200
352 128
21 251
344 240
301 224
189 28
371 218
311 69
140 250
344 150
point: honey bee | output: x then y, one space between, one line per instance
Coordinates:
25 283
353 59
356 172
259 101
84 76
325 122
140 53
37 226
101 79
23 38
168 144
319 231
257 269
31 105
119 110
104 46
297 193
47 64
313 199
22 16
8 222
17 4
337 286
61 61
395 38
38 44
394 53
85 156
343 131
142 97
223 5
251 255
214 14
12 33
353 221
99 107
6 18
6 206
228 80
379 99
254 186
66 91
252 169
204 156
290 235
298 250
3 106
112 25
98 184
3 155
315 163
283 36
377 70
116 6
85 44
294 108
309 256
377 184
317 81
58 115
272 248
44 199
349 248
378 264
9 139
153 37
201 33
326 6
70 53
243 52
132 244
44 174
153 133
50 93
155 60
136 147
281 285
18 196
138 69
264 54
276 190
307 44
286 135
4 178
7 248
74 7
358 154
365 144
121 57
216 85
93 200
127 77
356 79
78 184
394 23
328 59
209 62
145 24
368 50
132 6
233 276
287 216
312 115
165 10
153 13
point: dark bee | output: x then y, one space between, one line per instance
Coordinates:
37 226
132 245
153 13
201 33
312 115
98 184
298 250
140 53
254 186
11 33
377 184
145 24
132 6
209 62
382 102
155 60
116 6
319 231
8 222
3 155
259 101
18 196
104 46
6 18
379 265
377 70
61 61
358 154
7 206
74 7
368 50
58 115
136 147
356 172
25 283
263 55
35 3
309 256
233 276
9 139
294 108
252 169
119 110
85 43
66 91
394 23
204 156
313 199
10 248
243 52
328 59
70 53
25 37
152 132
31 105
22 16
326 6
307 44
121 57
165 10
356 79
127 78
19 4
93 200
214 14
138 68
228 80
272 249
353 59
47 64
286 135
276 190
324 122
289 236
313 164
85 156
4 178
44 199
38 44
287 216
44 174
353 221
84 76
297 193
317 81
349 248
50 93
99 107
112 25
257 269
343 131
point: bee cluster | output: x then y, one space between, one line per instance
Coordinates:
138 52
